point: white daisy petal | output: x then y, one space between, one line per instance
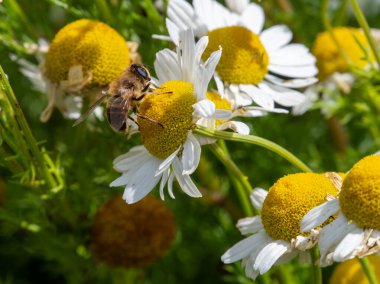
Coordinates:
236 126
166 163
347 247
319 214
250 225
164 179
258 96
291 83
257 197
253 17
269 255
170 185
290 51
204 108
283 96
173 30
249 271
185 182
221 114
166 66
294 71
191 155
237 6
306 59
276 37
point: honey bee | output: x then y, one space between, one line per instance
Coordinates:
125 94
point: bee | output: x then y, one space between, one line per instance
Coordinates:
123 95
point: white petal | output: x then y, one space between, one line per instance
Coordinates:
203 9
351 243
222 114
173 30
283 96
170 185
290 51
204 108
258 96
164 179
269 255
294 71
258 196
250 245
250 225
253 18
319 214
166 66
191 155
237 6
237 97
291 83
296 60
276 37
166 163
236 126
186 53
185 182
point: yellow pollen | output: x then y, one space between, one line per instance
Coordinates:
330 60
359 198
172 106
289 199
98 48
244 59
351 271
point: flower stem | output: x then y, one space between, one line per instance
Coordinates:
316 269
368 270
26 133
240 181
262 142
364 25
104 10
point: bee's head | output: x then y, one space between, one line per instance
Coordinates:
141 71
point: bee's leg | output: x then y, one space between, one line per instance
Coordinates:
139 98
149 119
134 120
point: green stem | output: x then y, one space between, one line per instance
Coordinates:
240 181
316 269
104 10
262 142
29 138
327 24
368 270
364 25
285 274
21 15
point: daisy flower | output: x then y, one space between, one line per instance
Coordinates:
335 73
172 150
69 70
257 65
275 237
356 230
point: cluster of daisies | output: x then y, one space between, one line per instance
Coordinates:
338 212
255 71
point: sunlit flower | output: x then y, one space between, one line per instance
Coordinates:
356 229
334 67
256 66
351 271
275 235
135 235
83 58
170 148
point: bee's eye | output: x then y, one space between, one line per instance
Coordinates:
141 71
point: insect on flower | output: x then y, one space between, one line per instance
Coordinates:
126 91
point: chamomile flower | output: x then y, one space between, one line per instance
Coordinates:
275 236
334 67
356 230
171 150
257 66
83 58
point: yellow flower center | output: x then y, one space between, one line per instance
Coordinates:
289 199
359 198
244 59
132 235
98 48
330 60
172 106
351 271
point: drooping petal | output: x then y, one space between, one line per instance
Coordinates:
250 225
283 96
191 155
350 244
269 255
319 214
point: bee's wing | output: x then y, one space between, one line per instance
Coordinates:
118 111
90 110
